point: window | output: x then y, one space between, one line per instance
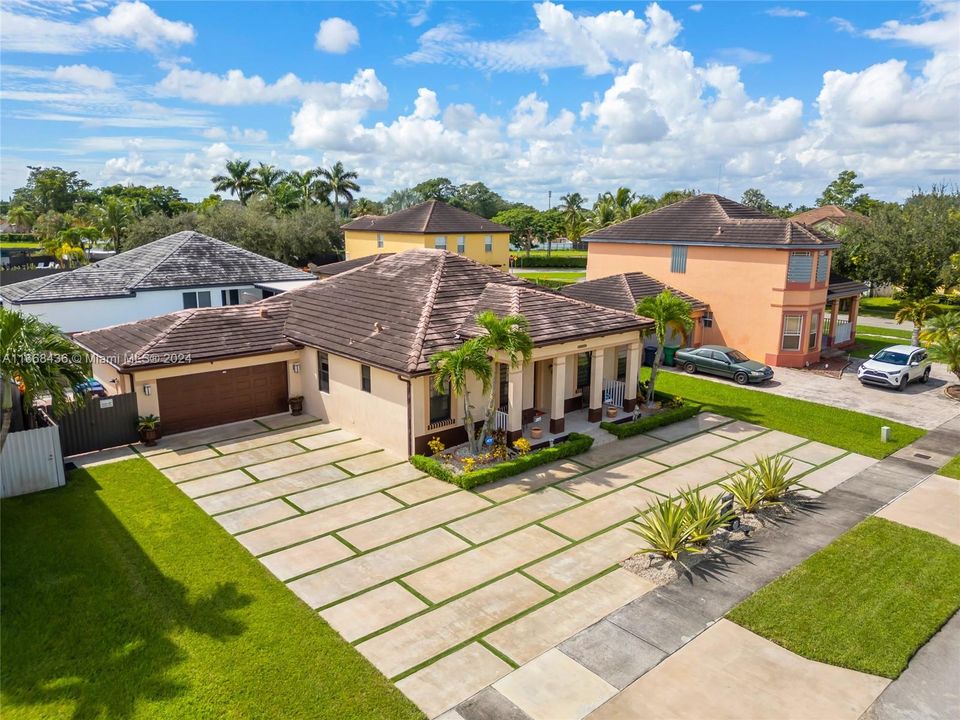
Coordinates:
196 299
792 330
229 297
461 244
707 319
365 378
814 330
622 364
323 362
441 242
800 266
584 363
823 265
380 240
439 402
503 373
488 243
678 259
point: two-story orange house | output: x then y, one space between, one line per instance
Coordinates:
766 280
431 224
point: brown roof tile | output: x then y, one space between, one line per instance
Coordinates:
711 220
624 291
335 268
432 216
831 213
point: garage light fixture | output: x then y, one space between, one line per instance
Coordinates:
147 389
296 368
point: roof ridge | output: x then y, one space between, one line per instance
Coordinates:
413 359
426 223
188 234
187 314
626 286
578 301
719 206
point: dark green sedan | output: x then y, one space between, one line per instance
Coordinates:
723 361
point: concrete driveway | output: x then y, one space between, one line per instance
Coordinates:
919 405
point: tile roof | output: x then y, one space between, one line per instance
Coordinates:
189 336
839 286
432 216
830 213
712 220
335 268
624 291
398 312
184 259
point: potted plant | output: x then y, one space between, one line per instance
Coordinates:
149 428
296 405
611 411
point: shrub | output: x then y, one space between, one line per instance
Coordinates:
575 444
746 489
666 417
665 528
703 515
436 445
522 446
771 471
554 261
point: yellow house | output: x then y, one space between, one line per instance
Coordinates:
432 224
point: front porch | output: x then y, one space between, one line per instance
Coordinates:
840 317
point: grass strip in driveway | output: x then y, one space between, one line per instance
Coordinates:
868 601
121 598
951 469
853 431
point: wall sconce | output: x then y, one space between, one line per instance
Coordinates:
296 368
147 389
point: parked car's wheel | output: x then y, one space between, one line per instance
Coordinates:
925 376
690 368
903 383
740 378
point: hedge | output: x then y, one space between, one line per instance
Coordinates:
554 261
629 429
575 444
16 237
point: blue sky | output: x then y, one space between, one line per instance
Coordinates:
527 97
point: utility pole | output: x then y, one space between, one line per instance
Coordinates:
549 208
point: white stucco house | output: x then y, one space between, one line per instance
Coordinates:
181 271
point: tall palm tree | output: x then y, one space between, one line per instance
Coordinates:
667 311
642 204
507 337
622 200
342 183
266 177
303 183
941 326
571 206
21 216
366 206
113 220
284 198
604 213
917 311
41 360
238 180
453 369
401 200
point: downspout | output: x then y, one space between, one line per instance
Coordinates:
409 413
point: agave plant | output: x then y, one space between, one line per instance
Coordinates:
664 526
773 472
746 489
703 515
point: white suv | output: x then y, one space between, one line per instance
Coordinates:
895 367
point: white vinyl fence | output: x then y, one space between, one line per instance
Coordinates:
842 332
31 461
613 391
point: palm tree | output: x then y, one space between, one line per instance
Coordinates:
453 369
113 220
341 183
666 310
504 336
266 177
303 183
642 204
238 180
366 206
284 198
21 217
941 326
38 358
917 311
571 206
604 213
401 200
622 199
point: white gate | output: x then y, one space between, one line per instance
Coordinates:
842 332
613 392
501 420
31 461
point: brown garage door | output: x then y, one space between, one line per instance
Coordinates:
196 401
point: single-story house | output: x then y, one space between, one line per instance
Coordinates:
357 348
184 270
431 224
765 279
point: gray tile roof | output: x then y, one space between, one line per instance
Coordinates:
432 216
840 287
712 220
624 291
191 336
184 259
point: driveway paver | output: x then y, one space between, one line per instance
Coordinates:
267 490
306 557
687 450
511 515
685 428
311 459
372 611
255 516
770 443
829 476
330 493
181 457
610 478
816 453
226 447
696 474
531 481
215 483
599 514
231 462
933 505
573 566
420 491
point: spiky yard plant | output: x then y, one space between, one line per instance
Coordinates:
703 515
746 489
664 526
773 472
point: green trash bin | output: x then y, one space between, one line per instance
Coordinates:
669 354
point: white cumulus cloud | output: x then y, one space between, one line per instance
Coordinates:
84 75
337 35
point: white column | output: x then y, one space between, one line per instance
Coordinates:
595 412
515 404
557 398
633 371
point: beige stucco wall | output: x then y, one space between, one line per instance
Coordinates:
746 289
361 243
380 416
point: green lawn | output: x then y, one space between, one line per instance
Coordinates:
952 468
841 428
867 345
868 601
122 599
882 331
887 307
